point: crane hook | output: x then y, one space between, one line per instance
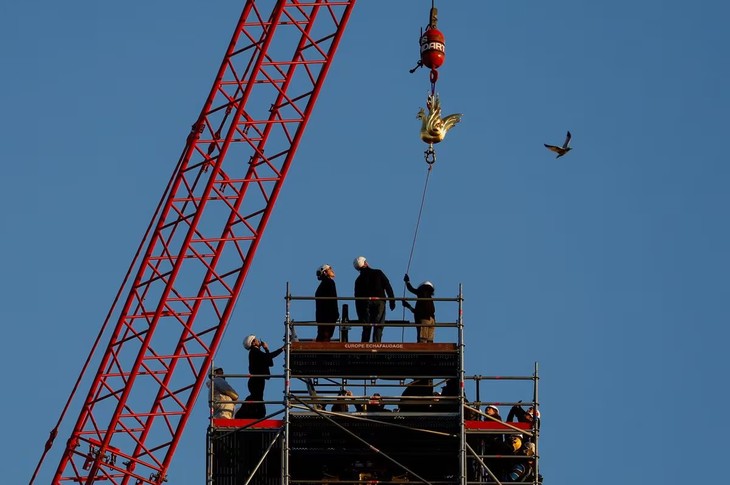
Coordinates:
430 155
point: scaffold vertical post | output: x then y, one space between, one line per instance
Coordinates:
288 333
462 430
209 457
208 434
535 424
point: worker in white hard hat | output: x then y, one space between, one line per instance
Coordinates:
493 443
424 312
493 412
375 286
224 397
531 416
326 309
259 361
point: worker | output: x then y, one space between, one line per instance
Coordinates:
502 465
493 443
224 396
451 391
343 397
326 311
531 416
371 283
374 405
418 388
259 361
424 312
521 469
493 412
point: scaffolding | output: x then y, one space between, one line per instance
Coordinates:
370 412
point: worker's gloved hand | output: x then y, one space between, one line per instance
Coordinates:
392 305
406 278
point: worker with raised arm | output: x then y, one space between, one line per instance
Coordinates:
531 416
371 283
424 312
259 361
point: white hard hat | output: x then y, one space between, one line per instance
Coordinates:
248 341
322 269
359 262
427 283
529 449
493 407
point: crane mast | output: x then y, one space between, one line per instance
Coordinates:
195 258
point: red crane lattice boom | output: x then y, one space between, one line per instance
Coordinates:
205 234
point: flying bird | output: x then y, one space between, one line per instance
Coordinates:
560 150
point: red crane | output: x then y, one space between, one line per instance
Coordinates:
193 261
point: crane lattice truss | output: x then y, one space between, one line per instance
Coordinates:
204 238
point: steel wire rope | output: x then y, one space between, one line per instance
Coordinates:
413 244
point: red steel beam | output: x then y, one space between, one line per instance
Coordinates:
197 257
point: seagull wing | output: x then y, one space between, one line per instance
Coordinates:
568 136
554 148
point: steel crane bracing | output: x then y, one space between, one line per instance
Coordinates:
194 260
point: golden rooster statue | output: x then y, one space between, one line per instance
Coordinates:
433 127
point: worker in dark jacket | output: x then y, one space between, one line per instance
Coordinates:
424 313
371 283
493 443
259 361
450 391
418 388
374 405
343 398
531 416
326 311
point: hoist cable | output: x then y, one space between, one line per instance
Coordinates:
415 237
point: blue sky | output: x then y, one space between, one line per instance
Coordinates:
608 266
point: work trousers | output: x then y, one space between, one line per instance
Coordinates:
372 314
